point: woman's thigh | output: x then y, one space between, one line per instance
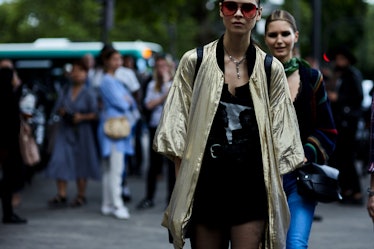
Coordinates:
248 235
204 237
245 236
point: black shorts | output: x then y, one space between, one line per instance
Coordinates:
230 191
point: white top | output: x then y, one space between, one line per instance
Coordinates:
128 78
152 94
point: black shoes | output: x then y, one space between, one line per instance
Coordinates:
58 202
126 198
353 199
145 204
14 219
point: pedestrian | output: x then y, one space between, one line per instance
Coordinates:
231 140
117 102
370 203
12 168
316 123
74 156
155 97
346 97
128 78
136 161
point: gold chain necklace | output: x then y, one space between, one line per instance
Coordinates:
237 63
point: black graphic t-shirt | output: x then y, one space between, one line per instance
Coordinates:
235 120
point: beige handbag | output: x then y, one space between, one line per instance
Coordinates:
28 147
117 128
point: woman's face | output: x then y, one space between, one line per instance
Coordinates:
78 75
240 16
114 62
163 70
280 39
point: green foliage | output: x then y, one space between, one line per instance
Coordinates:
27 20
179 25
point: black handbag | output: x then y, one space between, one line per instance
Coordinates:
318 182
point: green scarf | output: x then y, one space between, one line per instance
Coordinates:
292 65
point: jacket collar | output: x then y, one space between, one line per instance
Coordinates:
250 54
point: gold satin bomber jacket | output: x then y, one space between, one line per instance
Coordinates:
186 121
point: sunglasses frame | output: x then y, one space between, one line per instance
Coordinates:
239 6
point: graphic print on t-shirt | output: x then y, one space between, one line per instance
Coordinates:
238 120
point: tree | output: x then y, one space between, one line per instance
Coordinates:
178 25
26 20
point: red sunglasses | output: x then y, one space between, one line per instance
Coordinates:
248 10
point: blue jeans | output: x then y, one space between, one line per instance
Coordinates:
302 212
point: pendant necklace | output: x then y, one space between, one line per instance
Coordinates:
237 63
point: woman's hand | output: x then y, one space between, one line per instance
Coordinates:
61 111
78 118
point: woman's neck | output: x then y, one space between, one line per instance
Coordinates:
236 46
77 85
110 71
285 59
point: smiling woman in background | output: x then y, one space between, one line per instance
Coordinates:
317 128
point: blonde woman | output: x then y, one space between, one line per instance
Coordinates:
317 127
231 140
155 96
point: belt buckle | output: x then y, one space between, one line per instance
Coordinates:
212 150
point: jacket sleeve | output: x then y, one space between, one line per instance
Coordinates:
321 142
285 129
170 137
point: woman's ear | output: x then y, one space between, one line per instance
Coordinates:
219 7
258 18
296 36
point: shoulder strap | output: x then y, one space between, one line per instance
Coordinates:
200 52
268 60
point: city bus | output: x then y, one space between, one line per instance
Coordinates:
42 64
52 53
42 67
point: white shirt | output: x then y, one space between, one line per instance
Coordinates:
152 94
128 78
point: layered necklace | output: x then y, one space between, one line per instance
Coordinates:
236 62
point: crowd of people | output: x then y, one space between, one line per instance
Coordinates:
78 149
227 127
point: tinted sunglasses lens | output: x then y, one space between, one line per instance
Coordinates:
229 8
249 10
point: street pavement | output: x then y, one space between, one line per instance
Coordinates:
342 227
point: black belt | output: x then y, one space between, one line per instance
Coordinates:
229 150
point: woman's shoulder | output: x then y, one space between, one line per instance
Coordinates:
107 77
89 91
109 80
260 58
310 75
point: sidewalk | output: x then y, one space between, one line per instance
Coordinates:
342 227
